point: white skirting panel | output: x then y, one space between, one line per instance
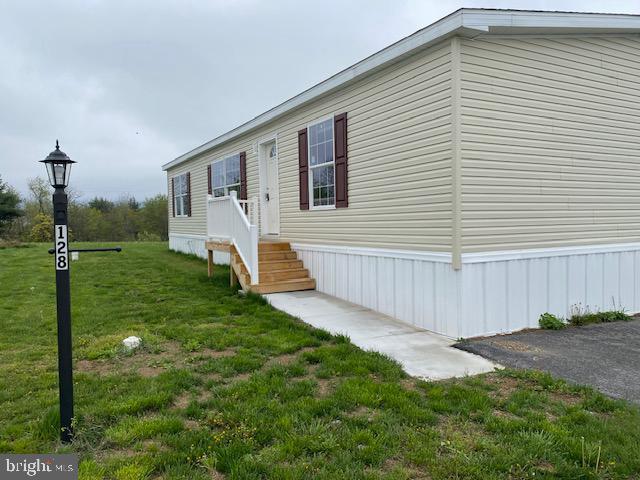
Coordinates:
503 295
415 287
496 292
194 244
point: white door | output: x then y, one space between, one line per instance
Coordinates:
272 195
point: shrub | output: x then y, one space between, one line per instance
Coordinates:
549 321
42 229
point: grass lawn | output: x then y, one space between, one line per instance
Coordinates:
227 387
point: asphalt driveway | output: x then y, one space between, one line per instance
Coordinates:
605 356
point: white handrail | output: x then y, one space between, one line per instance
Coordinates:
226 221
250 208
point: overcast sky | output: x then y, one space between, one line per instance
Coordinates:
129 85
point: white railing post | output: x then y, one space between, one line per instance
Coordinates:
255 216
255 276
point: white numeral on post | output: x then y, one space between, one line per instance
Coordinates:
62 257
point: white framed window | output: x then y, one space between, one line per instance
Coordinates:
321 164
181 194
225 175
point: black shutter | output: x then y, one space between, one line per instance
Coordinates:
303 169
173 198
243 176
188 194
340 147
209 190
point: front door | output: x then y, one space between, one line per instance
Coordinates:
272 194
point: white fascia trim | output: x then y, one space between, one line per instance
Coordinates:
375 252
487 18
468 22
497 256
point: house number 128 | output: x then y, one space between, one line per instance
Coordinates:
62 259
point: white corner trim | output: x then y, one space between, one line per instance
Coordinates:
496 256
376 252
456 154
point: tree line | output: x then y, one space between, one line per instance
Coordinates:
29 218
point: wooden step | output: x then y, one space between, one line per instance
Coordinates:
241 274
238 261
271 265
284 286
273 247
283 255
277 275
280 270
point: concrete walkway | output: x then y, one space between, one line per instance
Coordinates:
422 354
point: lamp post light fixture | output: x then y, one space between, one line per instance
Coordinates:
59 168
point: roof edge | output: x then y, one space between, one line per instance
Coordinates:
464 21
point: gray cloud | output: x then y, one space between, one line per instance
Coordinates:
128 86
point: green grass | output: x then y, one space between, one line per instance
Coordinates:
227 387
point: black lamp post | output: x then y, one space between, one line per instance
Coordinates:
58 168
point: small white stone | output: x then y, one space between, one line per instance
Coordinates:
132 342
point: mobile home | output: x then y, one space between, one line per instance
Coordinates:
466 179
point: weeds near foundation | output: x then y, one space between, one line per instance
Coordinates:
580 316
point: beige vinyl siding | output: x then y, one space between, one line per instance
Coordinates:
550 132
399 149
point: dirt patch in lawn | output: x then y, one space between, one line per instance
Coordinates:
410 384
566 398
115 453
118 366
503 386
151 364
144 363
392 465
503 414
182 401
287 358
241 377
364 412
325 387
208 353
191 424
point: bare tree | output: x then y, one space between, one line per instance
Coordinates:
40 192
